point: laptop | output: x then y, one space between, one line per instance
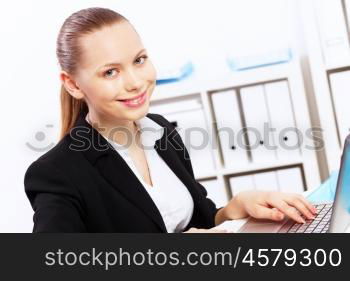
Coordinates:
332 217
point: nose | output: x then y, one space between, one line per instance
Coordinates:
132 82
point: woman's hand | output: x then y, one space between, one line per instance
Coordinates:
202 230
269 205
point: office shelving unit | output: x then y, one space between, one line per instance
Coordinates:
297 171
326 24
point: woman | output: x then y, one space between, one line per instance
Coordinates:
101 177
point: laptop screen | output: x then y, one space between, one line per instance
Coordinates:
341 208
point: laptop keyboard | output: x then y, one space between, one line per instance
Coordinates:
318 225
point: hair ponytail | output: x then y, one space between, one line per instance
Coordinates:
71 108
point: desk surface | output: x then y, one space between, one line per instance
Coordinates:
234 225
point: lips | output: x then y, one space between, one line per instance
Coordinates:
135 98
134 102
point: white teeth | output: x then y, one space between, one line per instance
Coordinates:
135 101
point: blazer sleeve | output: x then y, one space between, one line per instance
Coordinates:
185 157
55 201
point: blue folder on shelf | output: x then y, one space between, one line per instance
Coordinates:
259 60
175 74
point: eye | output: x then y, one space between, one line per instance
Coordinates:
141 59
109 72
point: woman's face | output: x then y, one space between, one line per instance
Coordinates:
115 76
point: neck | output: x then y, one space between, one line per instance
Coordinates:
120 131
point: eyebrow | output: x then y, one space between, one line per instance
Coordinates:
116 63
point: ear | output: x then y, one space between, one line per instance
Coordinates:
71 85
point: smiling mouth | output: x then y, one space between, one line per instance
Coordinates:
135 99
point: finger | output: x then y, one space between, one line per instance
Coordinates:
308 205
263 212
290 211
299 205
278 214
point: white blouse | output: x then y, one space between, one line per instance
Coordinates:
169 194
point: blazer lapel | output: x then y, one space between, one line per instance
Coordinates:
167 151
118 173
114 169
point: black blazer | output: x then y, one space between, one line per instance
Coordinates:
84 185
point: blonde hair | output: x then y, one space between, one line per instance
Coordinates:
69 54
